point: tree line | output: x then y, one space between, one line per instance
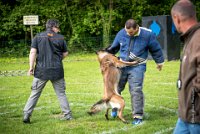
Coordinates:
78 18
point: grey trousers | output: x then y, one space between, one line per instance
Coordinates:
37 88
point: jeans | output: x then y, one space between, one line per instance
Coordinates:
37 87
186 128
135 76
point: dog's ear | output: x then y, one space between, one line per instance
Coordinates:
101 50
104 49
97 52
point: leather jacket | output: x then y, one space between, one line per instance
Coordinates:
189 76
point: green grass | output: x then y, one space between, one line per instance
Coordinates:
85 87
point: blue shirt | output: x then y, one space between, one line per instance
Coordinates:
137 47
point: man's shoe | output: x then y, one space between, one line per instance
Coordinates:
67 117
137 121
114 112
26 118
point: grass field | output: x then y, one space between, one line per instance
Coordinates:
84 87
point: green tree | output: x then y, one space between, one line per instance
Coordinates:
79 19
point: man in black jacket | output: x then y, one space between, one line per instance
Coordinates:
47 49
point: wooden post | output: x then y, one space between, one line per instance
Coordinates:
31 33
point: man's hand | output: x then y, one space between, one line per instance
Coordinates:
64 55
30 72
159 66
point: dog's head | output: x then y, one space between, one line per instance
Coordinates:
101 54
105 59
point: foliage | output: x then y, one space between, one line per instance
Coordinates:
15 49
79 18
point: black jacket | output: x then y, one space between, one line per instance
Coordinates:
50 47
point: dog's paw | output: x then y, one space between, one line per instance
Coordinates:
125 122
90 113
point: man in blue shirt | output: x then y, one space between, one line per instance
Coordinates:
134 43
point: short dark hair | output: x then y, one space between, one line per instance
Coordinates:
131 23
52 23
185 8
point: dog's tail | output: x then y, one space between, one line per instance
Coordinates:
99 106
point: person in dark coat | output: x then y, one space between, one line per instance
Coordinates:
48 49
184 17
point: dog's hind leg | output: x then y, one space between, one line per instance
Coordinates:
121 116
120 112
118 102
106 115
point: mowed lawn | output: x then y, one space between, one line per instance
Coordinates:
84 87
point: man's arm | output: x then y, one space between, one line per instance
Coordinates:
32 57
156 52
115 46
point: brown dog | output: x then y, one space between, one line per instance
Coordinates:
110 65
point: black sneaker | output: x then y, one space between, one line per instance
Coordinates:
26 119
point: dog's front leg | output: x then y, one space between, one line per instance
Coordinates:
122 63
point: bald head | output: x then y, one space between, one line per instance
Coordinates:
131 27
184 15
131 23
185 9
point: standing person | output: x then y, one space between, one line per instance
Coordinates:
48 49
133 43
183 14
